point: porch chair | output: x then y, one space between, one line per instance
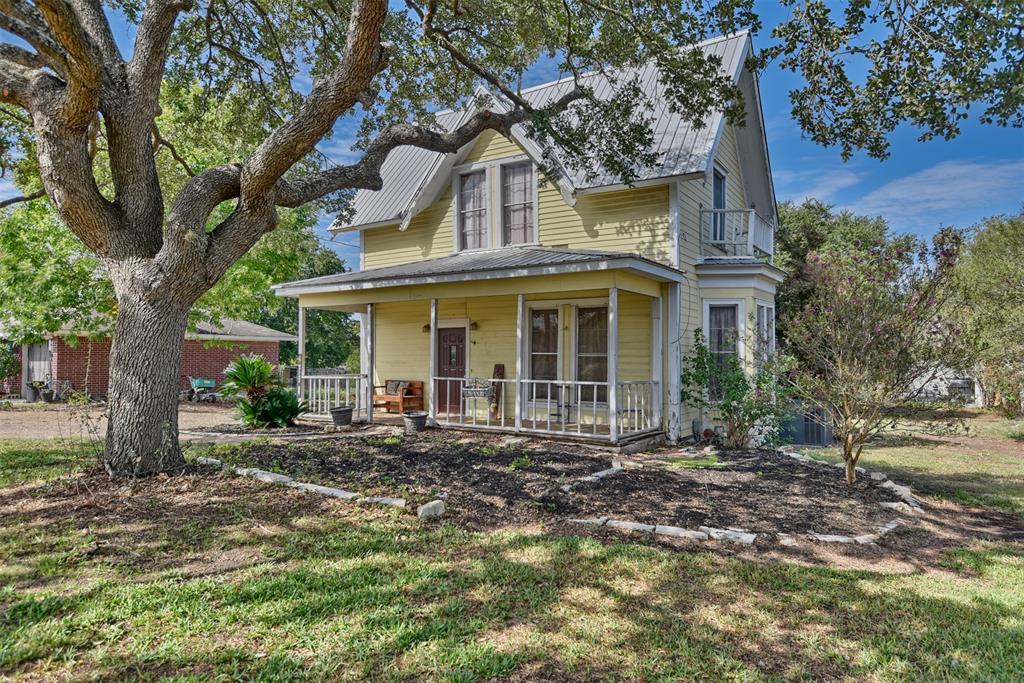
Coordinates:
401 394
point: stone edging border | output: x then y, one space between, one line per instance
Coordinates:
596 476
909 504
434 508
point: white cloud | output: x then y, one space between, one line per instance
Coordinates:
821 184
946 192
339 150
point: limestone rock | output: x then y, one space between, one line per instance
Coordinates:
431 510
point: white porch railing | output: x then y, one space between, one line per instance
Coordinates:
555 407
324 392
730 233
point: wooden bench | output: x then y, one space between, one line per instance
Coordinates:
400 394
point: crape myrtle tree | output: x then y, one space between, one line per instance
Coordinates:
289 70
874 331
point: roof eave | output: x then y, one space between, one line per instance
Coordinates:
639 265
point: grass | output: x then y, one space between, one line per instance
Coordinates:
984 466
24 460
261 583
707 462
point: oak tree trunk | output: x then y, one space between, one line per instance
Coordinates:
145 369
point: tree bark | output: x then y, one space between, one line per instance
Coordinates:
145 368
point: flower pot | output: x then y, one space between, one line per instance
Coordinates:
31 394
342 415
415 421
49 395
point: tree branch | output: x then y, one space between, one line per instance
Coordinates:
145 71
365 174
17 55
363 58
160 141
22 198
30 27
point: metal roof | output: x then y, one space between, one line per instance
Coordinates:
240 330
682 147
504 262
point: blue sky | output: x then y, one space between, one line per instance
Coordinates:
920 188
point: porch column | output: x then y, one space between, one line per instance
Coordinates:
302 351
370 344
520 332
657 335
432 365
613 363
675 335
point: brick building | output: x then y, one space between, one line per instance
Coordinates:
84 363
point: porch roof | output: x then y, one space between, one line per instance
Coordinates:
506 262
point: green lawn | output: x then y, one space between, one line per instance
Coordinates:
984 466
216 576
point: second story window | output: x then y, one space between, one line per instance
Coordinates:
517 204
473 210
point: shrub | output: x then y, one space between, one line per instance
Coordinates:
10 364
250 375
266 403
750 404
278 407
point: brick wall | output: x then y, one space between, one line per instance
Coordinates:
200 361
70 363
85 365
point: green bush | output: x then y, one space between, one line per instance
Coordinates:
751 404
250 375
266 403
278 407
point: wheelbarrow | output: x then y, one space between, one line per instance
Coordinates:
202 389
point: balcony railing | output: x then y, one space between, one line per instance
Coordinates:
324 392
554 407
732 233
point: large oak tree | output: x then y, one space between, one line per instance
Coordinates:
82 110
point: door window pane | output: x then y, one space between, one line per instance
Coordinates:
718 203
592 351
473 210
543 350
517 203
723 340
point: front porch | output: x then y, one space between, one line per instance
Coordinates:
585 355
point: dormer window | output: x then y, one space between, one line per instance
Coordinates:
517 203
473 210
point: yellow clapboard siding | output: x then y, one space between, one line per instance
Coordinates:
631 220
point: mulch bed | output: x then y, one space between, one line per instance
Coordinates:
484 484
487 486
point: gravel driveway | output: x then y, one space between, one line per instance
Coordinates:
42 421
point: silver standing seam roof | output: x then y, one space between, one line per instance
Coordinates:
483 261
683 148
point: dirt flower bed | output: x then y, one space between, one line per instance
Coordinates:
486 484
759 491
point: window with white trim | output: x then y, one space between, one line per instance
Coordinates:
517 215
723 340
473 210
718 203
592 352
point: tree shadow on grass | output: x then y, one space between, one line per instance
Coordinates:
335 591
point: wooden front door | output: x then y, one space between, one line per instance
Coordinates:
451 362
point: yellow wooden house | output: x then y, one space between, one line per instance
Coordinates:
560 308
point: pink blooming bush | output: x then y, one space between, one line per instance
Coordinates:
874 333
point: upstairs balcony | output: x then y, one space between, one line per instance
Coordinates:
736 233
